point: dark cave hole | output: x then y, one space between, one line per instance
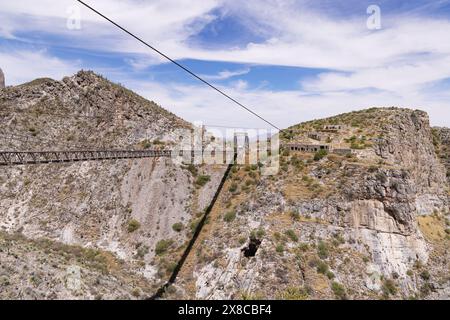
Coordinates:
252 247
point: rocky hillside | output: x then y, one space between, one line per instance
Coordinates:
83 110
442 143
122 223
371 224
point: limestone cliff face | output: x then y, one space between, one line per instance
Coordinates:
114 217
362 226
442 143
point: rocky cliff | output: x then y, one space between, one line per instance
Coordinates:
2 79
123 222
369 225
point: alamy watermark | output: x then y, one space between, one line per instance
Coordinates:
74 18
73 278
218 145
374 19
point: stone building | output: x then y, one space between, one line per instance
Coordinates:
333 127
315 135
342 151
307 147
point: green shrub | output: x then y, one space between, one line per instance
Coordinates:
389 287
291 235
293 293
133 225
322 250
425 275
233 188
319 155
145 144
202 180
322 267
229 216
177 226
257 233
162 246
279 248
339 290
294 215
194 224
330 275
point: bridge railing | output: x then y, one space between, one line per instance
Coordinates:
36 157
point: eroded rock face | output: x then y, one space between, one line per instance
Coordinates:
442 141
120 207
362 232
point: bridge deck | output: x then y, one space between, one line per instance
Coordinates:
36 157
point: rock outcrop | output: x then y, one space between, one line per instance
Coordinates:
2 79
363 226
122 212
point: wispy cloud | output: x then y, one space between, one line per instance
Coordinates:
225 74
396 65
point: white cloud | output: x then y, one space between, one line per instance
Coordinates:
20 66
398 62
226 74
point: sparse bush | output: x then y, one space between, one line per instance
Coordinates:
322 250
133 225
293 293
291 235
162 246
294 215
322 267
279 248
177 226
389 287
425 275
257 233
339 290
229 216
202 180
319 155
145 144
233 188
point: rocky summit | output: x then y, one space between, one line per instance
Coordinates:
2 79
358 210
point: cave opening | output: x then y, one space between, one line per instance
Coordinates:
252 248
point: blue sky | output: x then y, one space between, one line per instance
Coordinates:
289 60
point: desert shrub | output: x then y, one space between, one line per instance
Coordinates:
229 216
319 155
293 293
133 225
322 250
194 224
339 290
177 226
257 233
279 248
322 267
202 180
162 246
291 235
425 275
294 215
389 287
145 144
233 187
